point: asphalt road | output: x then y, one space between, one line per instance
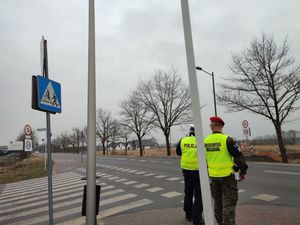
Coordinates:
133 184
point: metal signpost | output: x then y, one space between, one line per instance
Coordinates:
205 187
46 97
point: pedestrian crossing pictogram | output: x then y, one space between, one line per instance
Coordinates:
49 97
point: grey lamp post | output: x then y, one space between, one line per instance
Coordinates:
213 82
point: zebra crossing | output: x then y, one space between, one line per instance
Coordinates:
27 202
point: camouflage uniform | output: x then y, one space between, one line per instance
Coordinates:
225 194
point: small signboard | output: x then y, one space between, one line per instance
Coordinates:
247 131
245 123
49 95
15 146
28 145
27 130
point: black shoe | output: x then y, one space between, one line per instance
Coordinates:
188 218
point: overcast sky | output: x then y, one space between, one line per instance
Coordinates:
133 38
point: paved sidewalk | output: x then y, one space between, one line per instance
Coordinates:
245 215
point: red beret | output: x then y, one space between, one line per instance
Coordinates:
217 119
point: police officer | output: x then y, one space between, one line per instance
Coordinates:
222 156
186 148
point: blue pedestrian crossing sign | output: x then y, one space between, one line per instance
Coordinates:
49 95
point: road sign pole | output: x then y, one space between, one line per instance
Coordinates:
205 187
48 127
91 139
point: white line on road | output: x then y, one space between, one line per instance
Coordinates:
160 176
141 185
265 197
149 174
130 182
171 194
155 189
173 178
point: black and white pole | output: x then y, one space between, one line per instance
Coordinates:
91 131
48 128
205 188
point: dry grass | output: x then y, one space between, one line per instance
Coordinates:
147 152
32 167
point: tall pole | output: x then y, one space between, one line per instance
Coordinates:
91 139
48 127
205 188
214 90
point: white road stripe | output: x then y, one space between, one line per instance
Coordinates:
121 180
265 197
141 185
155 189
18 195
111 192
111 211
132 171
34 185
171 194
149 174
160 176
117 199
282 172
125 207
113 178
142 160
130 182
241 190
168 162
125 170
173 178
106 176
77 210
154 161
39 198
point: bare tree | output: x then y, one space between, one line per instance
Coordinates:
75 138
124 134
136 117
265 81
168 98
104 127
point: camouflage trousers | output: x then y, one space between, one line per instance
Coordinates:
225 194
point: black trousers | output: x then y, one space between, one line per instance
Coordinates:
192 189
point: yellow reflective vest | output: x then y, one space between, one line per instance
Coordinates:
189 160
219 161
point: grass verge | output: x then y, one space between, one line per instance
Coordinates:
28 169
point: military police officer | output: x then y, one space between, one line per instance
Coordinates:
186 148
222 156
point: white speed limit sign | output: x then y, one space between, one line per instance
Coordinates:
245 123
28 145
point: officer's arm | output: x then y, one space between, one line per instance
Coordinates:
178 149
238 156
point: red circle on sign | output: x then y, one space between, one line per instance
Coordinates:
245 123
27 130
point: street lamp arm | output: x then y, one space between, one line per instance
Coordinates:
200 68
